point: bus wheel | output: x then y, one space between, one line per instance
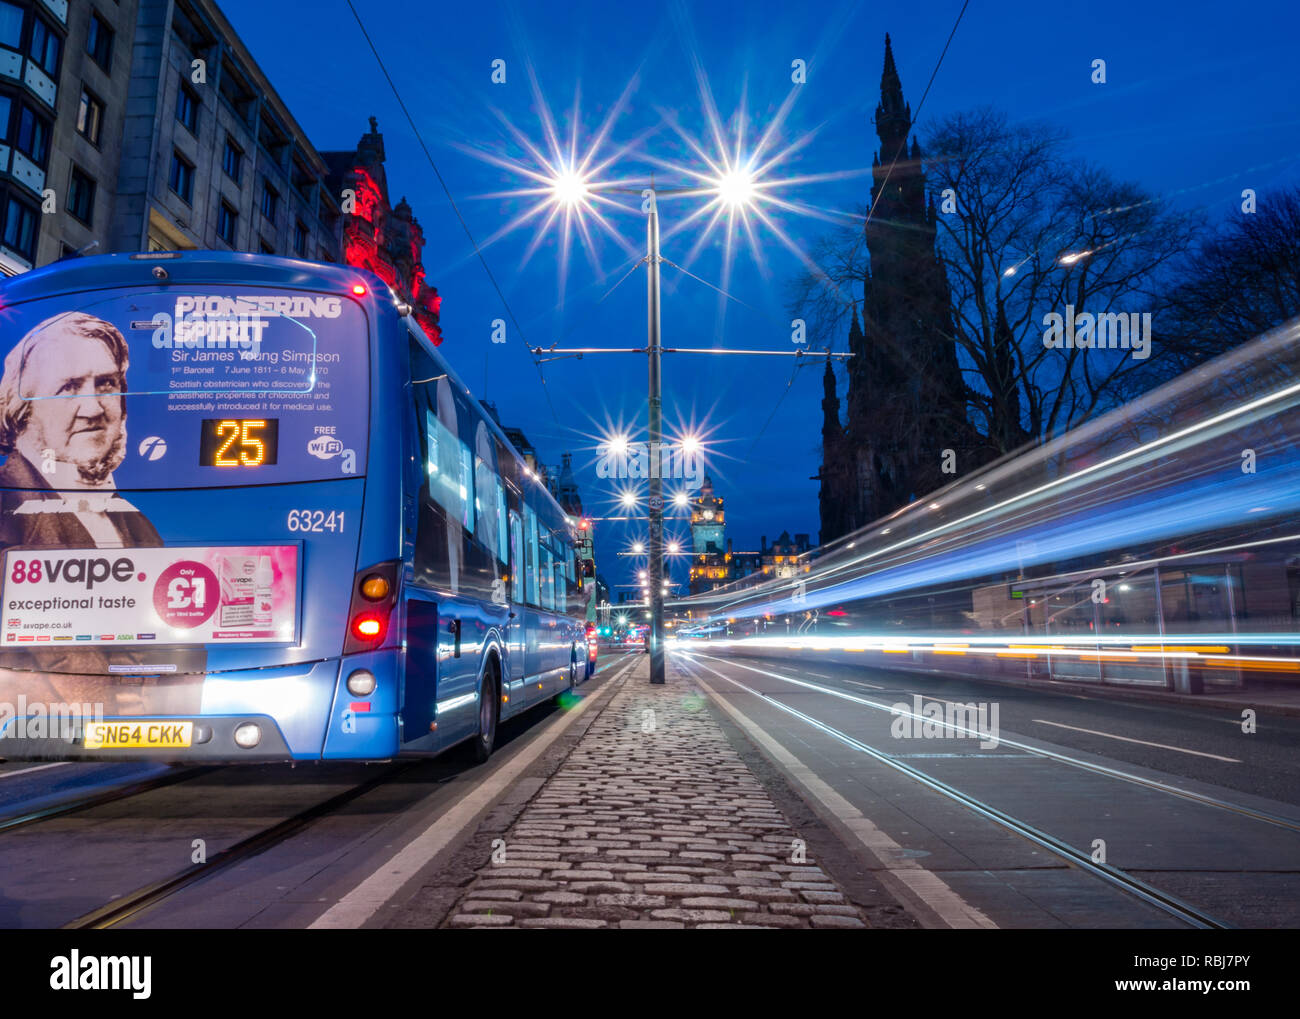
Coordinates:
573 678
487 717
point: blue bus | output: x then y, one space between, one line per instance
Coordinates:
249 513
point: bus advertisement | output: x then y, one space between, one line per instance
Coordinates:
249 513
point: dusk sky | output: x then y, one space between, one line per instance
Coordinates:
1200 102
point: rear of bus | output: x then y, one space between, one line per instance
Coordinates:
185 452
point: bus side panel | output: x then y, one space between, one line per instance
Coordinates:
458 677
386 517
419 703
362 728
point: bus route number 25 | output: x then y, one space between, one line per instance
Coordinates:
316 521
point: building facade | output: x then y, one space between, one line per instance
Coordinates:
212 156
786 557
136 125
65 71
386 239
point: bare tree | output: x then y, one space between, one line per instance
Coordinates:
1025 228
1241 282
1037 231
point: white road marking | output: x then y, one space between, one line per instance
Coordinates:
1281 819
922 884
360 904
869 686
28 771
1145 743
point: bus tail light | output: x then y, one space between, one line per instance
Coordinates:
368 626
374 595
374 587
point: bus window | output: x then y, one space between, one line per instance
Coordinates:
516 558
547 577
490 509
530 553
561 580
451 482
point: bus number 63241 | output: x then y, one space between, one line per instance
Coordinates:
315 520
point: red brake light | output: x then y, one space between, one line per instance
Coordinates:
368 626
359 289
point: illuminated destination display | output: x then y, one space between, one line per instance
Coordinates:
239 442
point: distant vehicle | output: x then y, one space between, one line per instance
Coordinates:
312 544
593 649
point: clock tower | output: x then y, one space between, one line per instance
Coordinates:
709 565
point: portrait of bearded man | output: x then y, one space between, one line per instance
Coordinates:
63 433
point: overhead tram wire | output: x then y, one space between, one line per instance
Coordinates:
536 352
711 286
455 208
799 362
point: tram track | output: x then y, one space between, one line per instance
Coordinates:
126 907
1170 904
1254 814
130 905
113 795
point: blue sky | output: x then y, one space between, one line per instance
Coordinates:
1200 102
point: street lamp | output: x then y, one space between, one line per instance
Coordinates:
569 188
735 187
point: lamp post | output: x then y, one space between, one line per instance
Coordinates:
732 188
656 439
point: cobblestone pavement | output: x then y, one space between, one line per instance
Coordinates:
653 821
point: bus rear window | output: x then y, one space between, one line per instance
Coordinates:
179 388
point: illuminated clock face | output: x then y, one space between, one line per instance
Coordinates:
708 514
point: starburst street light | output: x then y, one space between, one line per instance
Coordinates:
569 188
736 188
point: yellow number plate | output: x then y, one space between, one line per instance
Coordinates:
142 734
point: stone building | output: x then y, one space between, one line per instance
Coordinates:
65 72
138 125
378 236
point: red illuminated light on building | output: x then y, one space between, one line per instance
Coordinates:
386 240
